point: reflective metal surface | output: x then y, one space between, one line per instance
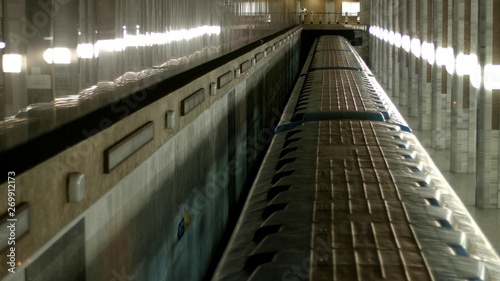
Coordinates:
65 58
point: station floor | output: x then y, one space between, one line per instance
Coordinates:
463 184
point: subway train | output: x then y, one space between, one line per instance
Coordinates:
347 192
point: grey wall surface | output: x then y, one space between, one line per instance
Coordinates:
202 170
131 233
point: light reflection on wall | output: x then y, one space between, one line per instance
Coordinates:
80 55
89 50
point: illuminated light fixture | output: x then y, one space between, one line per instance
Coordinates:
96 50
386 35
450 67
12 63
415 47
492 77
2 45
424 50
391 37
446 57
466 64
476 76
85 51
130 41
57 56
111 45
431 56
48 55
371 30
406 43
397 40
428 52
380 33
443 55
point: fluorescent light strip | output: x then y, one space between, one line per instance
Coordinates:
406 43
444 55
428 52
85 51
415 47
391 37
380 32
466 64
12 63
397 40
371 30
386 35
141 40
476 76
492 77
57 56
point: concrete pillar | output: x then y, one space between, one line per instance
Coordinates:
487 176
439 88
379 42
375 61
383 52
462 152
448 77
424 68
371 47
458 131
376 41
496 93
413 29
395 53
472 19
389 48
365 20
403 56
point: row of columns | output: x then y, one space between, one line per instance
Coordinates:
462 114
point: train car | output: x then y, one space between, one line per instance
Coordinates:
345 195
336 81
